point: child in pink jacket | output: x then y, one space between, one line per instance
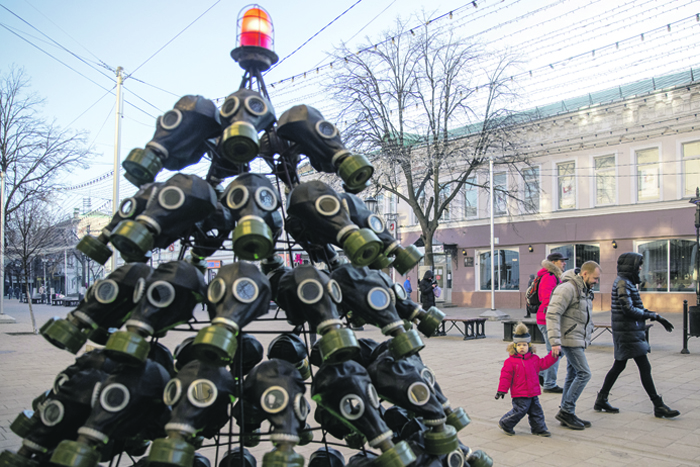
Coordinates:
520 374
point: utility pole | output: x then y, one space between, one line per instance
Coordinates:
3 317
117 150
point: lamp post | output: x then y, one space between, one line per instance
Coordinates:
372 204
46 289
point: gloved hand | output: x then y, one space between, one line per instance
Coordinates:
499 395
665 323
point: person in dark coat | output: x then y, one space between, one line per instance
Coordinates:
426 286
629 335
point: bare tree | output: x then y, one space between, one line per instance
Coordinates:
31 231
431 109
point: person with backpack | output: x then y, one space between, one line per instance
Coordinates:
539 294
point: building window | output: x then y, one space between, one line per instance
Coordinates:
578 254
566 180
471 198
668 265
391 208
691 168
500 185
648 180
506 270
531 178
605 180
444 194
380 204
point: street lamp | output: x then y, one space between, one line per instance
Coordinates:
372 204
46 289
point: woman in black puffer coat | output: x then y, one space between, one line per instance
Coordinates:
426 286
629 335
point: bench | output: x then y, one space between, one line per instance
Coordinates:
601 328
71 300
509 328
473 327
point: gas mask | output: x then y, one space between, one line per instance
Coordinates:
244 114
307 294
401 383
107 304
346 391
170 212
96 248
290 348
404 259
316 216
320 140
164 300
179 140
199 395
233 458
369 294
239 294
254 204
428 321
210 234
249 424
251 351
121 406
326 457
276 388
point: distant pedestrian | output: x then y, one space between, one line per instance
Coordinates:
426 286
407 286
629 335
520 376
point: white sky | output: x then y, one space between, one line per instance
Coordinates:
561 33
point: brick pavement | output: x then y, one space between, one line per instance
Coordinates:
468 373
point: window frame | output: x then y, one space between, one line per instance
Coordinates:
495 195
635 178
683 194
638 243
538 177
497 270
594 182
469 189
557 188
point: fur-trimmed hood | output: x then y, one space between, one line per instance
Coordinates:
553 268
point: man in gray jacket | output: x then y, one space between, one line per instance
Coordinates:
569 328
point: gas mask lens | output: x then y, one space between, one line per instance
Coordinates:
301 407
428 376
327 205
106 291
161 294
127 208
202 393
171 119
230 106
455 458
172 392
216 290
245 290
310 291
372 395
378 298
266 199
418 393
114 397
326 129
376 223
256 106
171 197
334 291
237 198
51 413
400 292
274 399
352 407
139 289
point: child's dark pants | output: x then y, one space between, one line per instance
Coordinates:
522 406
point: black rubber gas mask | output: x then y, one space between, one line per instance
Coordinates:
276 389
171 211
393 254
164 300
199 395
107 304
346 391
370 295
210 234
291 348
129 208
307 294
244 114
126 401
316 216
320 140
402 384
254 205
238 294
428 321
179 140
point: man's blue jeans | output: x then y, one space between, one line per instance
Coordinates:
550 374
577 376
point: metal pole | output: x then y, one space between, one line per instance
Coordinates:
65 272
2 241
685 328
493 278
46 289
117 157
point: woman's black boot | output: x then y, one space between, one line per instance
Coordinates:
602 405
661 410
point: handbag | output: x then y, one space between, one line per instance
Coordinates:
437 291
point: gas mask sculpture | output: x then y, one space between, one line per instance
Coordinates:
233 458
404 259
320 141
210 234
428 321
107 304
179 140
243 115
316 217
369 294
164 300
290 348
171 211
199 396
309 295
254 204
346 391
276 389
239 294
96 248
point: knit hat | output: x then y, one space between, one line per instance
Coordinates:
521 334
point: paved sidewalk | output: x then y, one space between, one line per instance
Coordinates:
468 372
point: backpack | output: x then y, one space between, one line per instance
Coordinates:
532 296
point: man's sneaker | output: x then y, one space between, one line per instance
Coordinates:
585 423
509 431
569 420
544 434
554 390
